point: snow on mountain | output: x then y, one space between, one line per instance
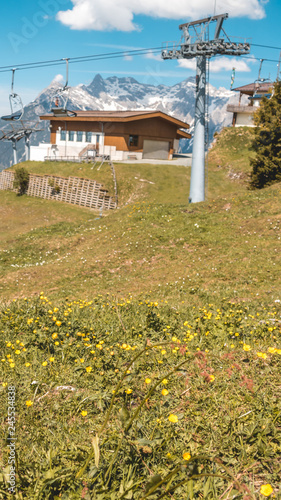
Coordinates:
115 93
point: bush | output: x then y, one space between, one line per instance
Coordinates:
21 180
266 166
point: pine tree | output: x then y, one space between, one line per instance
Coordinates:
266 166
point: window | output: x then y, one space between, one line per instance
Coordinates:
133 140
63 135
98 139
79 136
88 136
71 135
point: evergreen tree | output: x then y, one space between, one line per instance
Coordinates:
266 166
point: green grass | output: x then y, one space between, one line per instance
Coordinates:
86 301
96 369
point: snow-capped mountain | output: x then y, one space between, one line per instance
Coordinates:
125 94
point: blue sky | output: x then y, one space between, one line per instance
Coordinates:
38 30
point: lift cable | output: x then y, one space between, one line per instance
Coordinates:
104 56
55 62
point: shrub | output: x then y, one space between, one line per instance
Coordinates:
21 180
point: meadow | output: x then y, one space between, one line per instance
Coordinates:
142 346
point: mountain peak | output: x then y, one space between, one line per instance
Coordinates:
96 86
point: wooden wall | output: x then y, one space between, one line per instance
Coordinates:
117 133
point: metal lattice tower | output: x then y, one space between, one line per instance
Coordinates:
196 42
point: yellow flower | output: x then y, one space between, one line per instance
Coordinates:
164 392
82 360
246 347
129 391
17 351
84 413
12 365
57 343
164 381
147 380
54 336
173 418
88 369
44 363
271 350
212 378
186 456
58 323
27 364
4 384
262 355
266 490
29 403
163 351
51 360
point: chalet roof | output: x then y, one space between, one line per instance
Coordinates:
251 88
116 116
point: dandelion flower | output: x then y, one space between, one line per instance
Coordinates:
129 391
246 347
147 380
173 418
84 413
266 490
51 360
211 378
29 403
88 369
82 360
44 363
164 392
27 364
164 381
17 351
12 365
186 456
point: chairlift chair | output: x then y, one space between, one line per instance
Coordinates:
61 98
16 104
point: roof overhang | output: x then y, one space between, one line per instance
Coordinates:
181 134
87 116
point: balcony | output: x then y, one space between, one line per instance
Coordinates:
235 108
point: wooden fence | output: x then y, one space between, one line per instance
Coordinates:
74 190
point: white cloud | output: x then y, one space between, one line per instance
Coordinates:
102 15
151 55
127 57
218 64
58 79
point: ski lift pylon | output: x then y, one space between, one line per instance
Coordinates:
61 98
15 103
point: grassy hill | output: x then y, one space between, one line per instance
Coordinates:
227 246
143 347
